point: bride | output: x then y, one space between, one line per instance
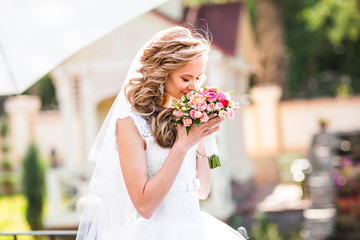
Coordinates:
149 173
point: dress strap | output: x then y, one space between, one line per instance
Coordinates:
143 127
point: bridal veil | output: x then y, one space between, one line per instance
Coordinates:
107 208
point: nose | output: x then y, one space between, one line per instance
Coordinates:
193 84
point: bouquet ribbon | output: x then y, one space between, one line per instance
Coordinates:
212 151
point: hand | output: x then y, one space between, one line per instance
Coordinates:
196 133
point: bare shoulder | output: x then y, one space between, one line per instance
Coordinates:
125 123
126 131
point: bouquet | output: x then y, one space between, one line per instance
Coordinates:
196 106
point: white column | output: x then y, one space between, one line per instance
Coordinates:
21 111
266 100
89 114
69 122
53 190
89 121
266 103
242 167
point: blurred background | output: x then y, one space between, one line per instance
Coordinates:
291 157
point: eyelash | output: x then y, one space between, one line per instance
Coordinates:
187 80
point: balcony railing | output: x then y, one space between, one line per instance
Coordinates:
51 234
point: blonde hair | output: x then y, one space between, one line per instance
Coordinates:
167 51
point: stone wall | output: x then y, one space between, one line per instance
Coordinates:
298 121
273 127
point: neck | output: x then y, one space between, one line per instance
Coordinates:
166 103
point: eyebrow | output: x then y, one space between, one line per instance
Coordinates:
189 75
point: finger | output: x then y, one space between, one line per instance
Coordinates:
215 125
206 127
215 119
210 127
212 115
212 130
212 122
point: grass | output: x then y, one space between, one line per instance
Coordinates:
12 214
13 219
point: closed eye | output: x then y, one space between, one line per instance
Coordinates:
185 79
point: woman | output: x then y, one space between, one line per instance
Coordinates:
154 168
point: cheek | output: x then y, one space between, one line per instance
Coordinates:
179 85
175 84
183 85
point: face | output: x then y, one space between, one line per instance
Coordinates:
183 79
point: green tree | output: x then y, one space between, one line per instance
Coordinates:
33 186
311 52
338 19
45 89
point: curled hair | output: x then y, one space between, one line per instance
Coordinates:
168 51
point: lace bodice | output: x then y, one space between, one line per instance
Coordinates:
181 203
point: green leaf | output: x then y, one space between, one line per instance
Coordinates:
197 122
178 122
188 130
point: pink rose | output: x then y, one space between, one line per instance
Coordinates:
212 97
197 114
192 113
202 106
225 102
204 118
204 92
218 106
212 89
179 113
187 122
196 99
230 114
210 107
221 95
222 114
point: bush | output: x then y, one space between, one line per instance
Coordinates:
33 187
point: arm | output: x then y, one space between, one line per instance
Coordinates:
203 172
147 194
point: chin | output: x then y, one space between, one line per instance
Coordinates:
178 97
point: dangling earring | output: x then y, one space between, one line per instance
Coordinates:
161 88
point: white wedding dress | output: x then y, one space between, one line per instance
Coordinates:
178 217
